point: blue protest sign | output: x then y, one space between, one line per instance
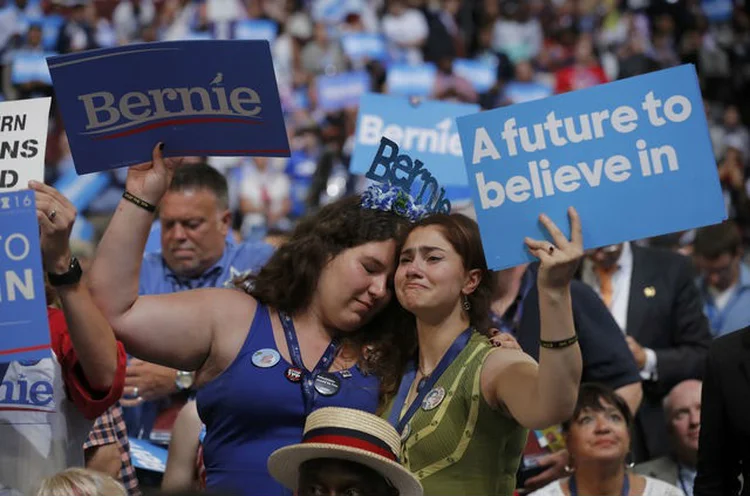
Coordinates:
411 80
361 46
633 156
147 456
24 329
520 92
426 131
255 29
718 10
217 107
28 66
51 26
82 190
479 73
342 90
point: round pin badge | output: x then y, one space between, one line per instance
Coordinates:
433 399
406 433
266 358
327 384
293 374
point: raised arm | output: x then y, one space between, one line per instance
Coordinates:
96 349
538 396
175 330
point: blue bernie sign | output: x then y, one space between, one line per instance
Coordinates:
211 107
633 157
411 80
24 328
342 90
424 129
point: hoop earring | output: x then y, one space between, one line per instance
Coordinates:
466 303
629 463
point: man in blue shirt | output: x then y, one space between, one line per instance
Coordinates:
724 281
195 253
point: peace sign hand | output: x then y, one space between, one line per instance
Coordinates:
559 261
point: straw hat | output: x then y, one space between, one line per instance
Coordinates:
346 434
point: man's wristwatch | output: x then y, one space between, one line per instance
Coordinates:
184 380
72 276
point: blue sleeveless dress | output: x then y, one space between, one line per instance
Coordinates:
249 412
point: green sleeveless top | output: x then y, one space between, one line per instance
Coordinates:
458 445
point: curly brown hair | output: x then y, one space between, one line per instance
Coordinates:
289 280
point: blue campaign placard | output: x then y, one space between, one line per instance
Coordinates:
342 90
411 80
147 456
255 29
633 157
28 66
425 130
481 74
364 46
24 329
215 107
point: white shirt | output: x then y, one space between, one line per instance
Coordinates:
653 487
621 279
410 27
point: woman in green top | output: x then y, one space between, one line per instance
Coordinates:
463 406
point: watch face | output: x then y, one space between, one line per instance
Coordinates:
184 380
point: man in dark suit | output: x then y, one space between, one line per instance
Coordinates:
724 449
652 295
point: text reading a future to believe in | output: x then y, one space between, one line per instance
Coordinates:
544 178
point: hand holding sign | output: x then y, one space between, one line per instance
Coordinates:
150 180
559 260
56 216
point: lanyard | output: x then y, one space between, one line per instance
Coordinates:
308 379
403 391
573 487
717 317
683 486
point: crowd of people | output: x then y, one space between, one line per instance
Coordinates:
277 329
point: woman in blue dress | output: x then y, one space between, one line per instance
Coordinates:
310 333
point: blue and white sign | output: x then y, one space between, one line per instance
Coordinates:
342 90
479 73
521 92
718 10
633 156
364 46
425 130
411 80
28 67
255 29
147 456
82 190
215 107
24 328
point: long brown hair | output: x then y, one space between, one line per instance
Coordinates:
289 280
463 235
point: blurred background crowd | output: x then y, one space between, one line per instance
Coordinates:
490 52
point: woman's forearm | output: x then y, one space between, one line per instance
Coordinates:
559 368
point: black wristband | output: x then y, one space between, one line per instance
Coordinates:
137 201
563 343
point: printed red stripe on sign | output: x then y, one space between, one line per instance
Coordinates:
20 409
170 122
352 443
236 151
24 350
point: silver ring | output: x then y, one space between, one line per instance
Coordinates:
52 215
135 392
